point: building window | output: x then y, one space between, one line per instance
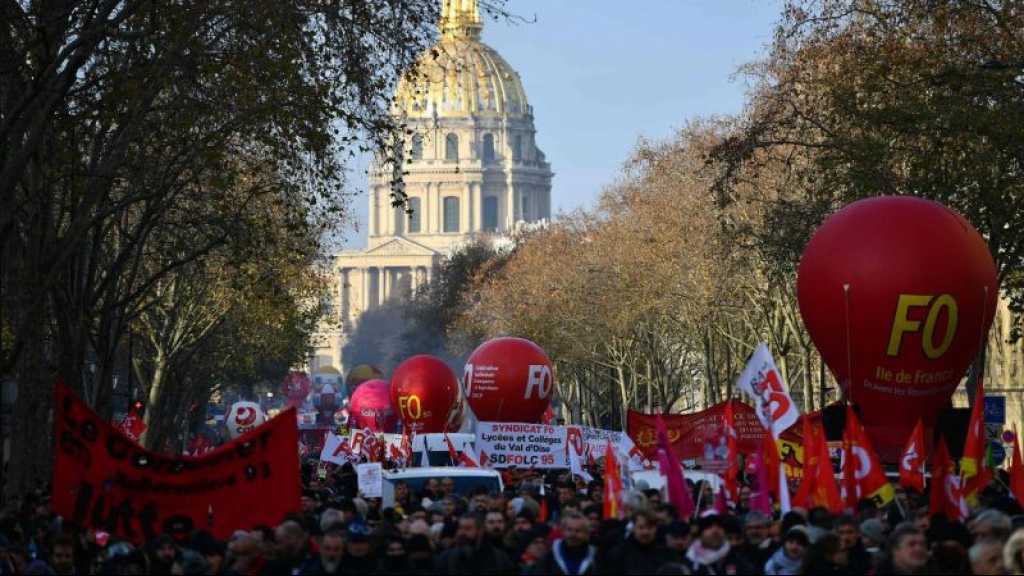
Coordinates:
417 147
399 220
451 214
451 147
413 205
524 215
488 148
517 147
490 214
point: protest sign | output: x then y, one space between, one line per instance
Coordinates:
520 445
336 450
104 481
370 479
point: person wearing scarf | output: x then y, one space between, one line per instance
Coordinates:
788 558
711 553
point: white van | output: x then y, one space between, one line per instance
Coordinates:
466 480
656 480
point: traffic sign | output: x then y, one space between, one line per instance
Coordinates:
995 409
997 453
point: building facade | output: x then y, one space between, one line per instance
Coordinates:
472 168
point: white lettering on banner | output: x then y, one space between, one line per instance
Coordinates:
370 479
479 379
539 380
520 445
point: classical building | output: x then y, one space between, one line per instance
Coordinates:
473 168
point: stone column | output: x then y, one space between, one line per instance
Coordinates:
478 210
382 285
365 273
510 208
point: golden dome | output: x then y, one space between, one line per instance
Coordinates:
460 75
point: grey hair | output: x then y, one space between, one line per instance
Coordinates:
1000 522
329 518
755 517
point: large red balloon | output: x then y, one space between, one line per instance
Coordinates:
426 393
370 407
920 288
508 380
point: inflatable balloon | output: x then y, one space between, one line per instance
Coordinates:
295 388
508 380
242 417
370 407
426 392
918 286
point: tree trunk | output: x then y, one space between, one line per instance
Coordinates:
31 464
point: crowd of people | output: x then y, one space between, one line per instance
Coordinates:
540 524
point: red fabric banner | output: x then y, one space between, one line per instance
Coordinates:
105 481
693 435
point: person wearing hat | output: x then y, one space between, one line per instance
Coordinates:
711 553
359 556
677 537
788 558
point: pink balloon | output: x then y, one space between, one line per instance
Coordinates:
370 407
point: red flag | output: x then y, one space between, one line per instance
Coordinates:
912 462
771 463
133 426
678 494
974 474
1017 473
946 496
863 477
732 456
612 484
802 498
459 458
818 487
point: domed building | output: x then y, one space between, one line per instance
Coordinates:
472 169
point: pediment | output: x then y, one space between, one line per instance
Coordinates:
400 247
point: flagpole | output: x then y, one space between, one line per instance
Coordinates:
849 352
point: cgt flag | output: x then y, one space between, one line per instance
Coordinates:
104 481
912 461
863 477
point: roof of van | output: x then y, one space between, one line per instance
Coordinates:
438 472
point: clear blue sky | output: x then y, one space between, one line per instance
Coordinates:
600 74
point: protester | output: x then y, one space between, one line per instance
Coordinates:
572 554
711 553
640 553
986 557
907 551
789 557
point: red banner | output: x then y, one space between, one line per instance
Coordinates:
103 480
699 435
